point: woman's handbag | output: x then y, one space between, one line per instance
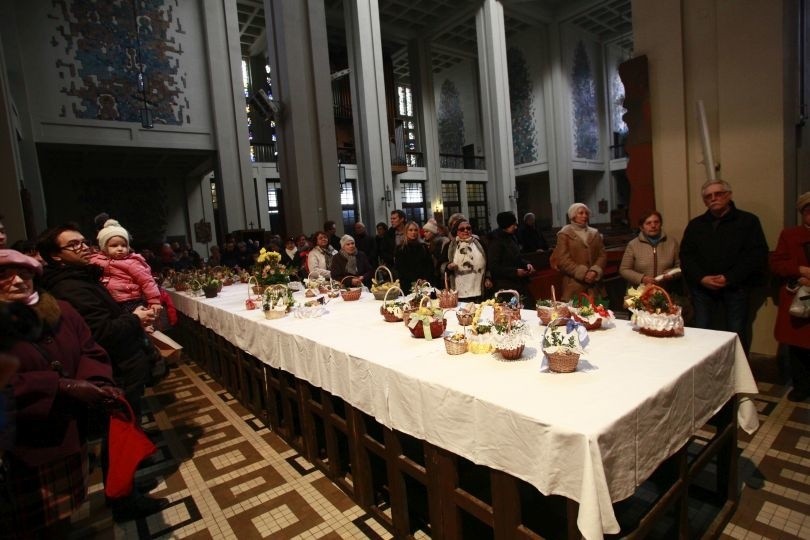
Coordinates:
127 446
800 307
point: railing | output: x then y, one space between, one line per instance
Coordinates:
263 152
460 161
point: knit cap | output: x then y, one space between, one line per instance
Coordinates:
505 219
111 229
345 239
572 210
431 227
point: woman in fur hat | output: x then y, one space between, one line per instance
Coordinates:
62 375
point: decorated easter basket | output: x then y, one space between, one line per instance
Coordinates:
350 294
508 310
654 312
448 298
393 310
380 288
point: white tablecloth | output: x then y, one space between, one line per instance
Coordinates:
593 436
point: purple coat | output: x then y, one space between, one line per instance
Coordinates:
48 424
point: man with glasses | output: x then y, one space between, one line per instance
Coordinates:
70 276
723 255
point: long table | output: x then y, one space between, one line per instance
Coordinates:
592 436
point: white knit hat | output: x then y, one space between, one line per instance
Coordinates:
572 210
111 229
345 239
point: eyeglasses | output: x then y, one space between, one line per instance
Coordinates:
75 245
714 195
462 229
9 273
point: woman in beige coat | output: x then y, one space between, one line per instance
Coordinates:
580 254
650 255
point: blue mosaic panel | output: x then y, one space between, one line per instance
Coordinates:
524 131
102 46
583 101
451 120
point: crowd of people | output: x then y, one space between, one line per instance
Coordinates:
76 314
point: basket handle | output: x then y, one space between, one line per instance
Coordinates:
383 267
513 292
422 299
583 295
255 280
650 289
344 279
385 298
447 283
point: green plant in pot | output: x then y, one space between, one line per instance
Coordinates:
211 287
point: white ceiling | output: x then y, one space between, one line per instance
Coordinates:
450 24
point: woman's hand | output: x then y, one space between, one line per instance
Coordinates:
83 391
647 280
452 267
590 277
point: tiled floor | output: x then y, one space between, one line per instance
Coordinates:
228 476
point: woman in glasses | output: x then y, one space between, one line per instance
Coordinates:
466 266
62 375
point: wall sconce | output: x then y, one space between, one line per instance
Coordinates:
438 211
388 195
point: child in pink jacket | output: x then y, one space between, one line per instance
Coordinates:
126 275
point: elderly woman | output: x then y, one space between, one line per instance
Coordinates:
412 259
580 254
62 374
350 261
651 254
319 260
791 262
466 266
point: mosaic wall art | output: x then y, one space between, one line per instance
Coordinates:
583 104
100 53
524 131
451 120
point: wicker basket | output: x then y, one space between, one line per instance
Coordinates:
464 317
448 298
387 315
512 354
352 293
455 347
379 294
436 329
276 313
554 311
562 362
658 324
597 324
251 302
505 313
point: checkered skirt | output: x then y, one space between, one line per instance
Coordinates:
32 498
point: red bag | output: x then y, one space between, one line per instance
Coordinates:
127 446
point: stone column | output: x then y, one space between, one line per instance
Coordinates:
299 70
371 135
424 104
496 115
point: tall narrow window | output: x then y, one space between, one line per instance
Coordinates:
407 123
214 193
413 201
451 198
348 206
477 205
275 205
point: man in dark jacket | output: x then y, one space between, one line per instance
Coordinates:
529 236
365 243
69 276
508 269
723 255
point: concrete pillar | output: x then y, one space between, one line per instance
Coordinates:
424 103
495 112
230 120
371 135
299 69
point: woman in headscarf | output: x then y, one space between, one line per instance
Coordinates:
62 375
350 261
580 254
467 264
651 254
